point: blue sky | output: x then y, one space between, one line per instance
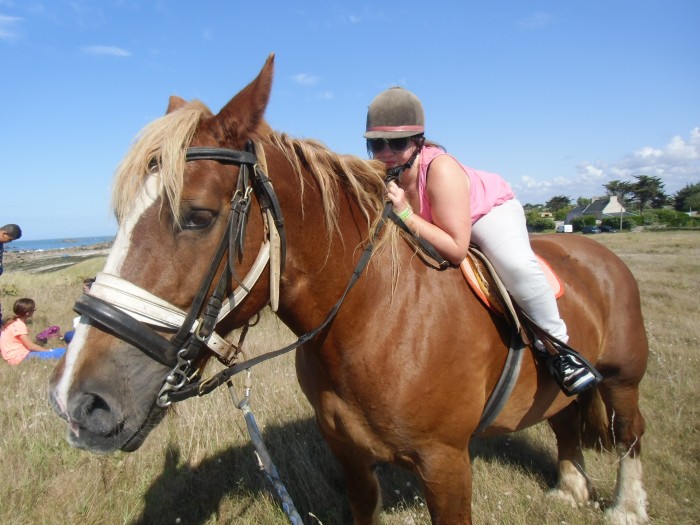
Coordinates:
557 96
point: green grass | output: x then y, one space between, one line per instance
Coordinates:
198 465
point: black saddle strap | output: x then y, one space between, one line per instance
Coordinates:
504 386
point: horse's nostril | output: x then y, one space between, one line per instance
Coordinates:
94 414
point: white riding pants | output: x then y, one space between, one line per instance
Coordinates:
502 236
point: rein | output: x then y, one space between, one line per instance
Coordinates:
201 388
128 312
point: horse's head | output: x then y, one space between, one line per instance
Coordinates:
196 215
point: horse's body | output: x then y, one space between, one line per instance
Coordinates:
404 371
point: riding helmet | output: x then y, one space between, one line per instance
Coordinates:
393 114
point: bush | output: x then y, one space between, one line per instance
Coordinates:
539 224
535 223
627 224
637 220
560 215
671 218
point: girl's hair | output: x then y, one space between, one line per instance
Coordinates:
21 307
434 144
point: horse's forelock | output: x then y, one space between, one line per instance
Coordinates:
159 148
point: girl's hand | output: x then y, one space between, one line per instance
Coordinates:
397 197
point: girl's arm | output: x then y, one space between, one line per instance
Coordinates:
449 190
29 345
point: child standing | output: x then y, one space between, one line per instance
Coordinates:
8 233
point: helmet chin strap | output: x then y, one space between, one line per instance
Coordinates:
394 174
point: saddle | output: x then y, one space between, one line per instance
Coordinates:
487 286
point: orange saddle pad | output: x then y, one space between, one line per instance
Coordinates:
481 282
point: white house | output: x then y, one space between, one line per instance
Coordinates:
600 208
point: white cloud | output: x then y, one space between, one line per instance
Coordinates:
305 79
8 27
106 51
325 95
529 183
677 164
681 150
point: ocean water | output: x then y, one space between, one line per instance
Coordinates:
55 244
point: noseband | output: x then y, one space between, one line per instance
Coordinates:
131 313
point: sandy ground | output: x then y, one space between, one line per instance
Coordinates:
51 260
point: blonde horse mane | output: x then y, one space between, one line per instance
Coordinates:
159 150
364 179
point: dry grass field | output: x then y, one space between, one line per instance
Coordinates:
198 467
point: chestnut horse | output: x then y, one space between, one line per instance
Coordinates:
403 371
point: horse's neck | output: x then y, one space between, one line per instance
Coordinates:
319 266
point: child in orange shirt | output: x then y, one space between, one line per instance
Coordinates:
15 344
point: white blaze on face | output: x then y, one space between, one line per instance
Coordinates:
115 261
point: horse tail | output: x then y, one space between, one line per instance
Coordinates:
594 421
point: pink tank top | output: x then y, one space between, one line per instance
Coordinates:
488 190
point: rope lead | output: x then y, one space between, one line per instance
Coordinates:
263 456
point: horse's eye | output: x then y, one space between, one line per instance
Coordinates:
198 219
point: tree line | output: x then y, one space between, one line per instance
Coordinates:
645 197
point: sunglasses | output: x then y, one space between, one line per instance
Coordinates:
395 145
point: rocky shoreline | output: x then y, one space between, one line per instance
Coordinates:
35 261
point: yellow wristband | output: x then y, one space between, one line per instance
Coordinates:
406 213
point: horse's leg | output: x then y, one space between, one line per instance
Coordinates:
573 485
446 477
629 499
361 483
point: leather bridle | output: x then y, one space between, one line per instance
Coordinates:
133 314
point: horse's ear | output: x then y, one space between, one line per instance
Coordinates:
244 112
174 103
